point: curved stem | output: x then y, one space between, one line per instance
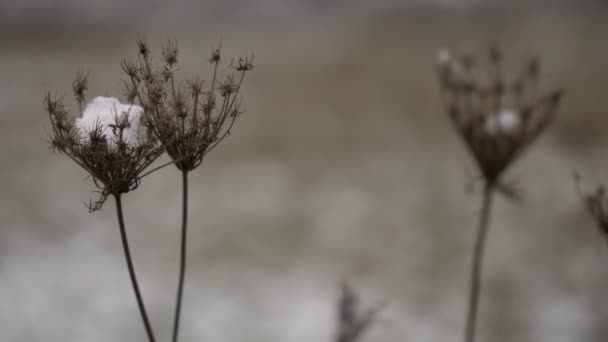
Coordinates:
125 245
182 261
477 262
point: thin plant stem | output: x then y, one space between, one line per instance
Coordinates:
477 261
125 245
182 261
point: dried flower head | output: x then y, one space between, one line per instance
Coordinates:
189 120
496 118
596 203
106 141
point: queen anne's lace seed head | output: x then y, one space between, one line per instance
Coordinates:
192 119
107 140
496 118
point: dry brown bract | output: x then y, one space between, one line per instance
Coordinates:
113 162
189 120
496 118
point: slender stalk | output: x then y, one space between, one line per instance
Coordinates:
477 261
125 245
182 261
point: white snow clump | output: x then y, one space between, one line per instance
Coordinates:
504 121
105 111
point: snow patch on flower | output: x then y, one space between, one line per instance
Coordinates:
104 111
504 121
447 61
444 57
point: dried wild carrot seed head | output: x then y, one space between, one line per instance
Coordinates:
497 118
189 120
107 141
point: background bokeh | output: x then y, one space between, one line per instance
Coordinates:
344 167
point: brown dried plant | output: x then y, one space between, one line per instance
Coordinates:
114 164
113 152
497 119
189 120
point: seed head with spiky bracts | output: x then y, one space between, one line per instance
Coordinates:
496 118
106 140
189 120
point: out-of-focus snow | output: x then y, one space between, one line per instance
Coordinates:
504 121
446 61
444 56
105 111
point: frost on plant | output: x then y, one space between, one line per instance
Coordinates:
496 117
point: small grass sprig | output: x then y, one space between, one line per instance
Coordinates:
596 203
352 320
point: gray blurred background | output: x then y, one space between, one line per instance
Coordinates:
344 167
